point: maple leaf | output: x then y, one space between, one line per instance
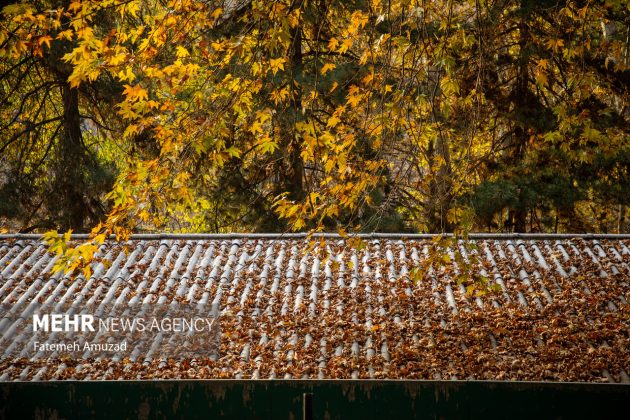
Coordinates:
327 67
277 64
332 121
555 44
332 44
67 34
135 93
181 52
44 40
345 45
267 145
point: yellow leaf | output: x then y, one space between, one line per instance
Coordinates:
267 145
135 93
170 20
116 59
126 75
74 6
50 236
279 95
327 67
555 44
256 128
44 40
131 131
345 45
354 97
276 64
333 121
332 44
449 86
132 8
181 52
217 12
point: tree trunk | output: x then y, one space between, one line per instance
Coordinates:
440 195
520 95
289 166
69 182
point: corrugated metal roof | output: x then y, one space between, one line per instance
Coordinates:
293 308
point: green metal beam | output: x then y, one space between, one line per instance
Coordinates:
328 399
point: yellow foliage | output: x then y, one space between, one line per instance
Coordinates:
277 64
358 98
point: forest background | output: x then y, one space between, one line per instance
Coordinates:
314 115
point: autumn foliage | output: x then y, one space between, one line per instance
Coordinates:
181 115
